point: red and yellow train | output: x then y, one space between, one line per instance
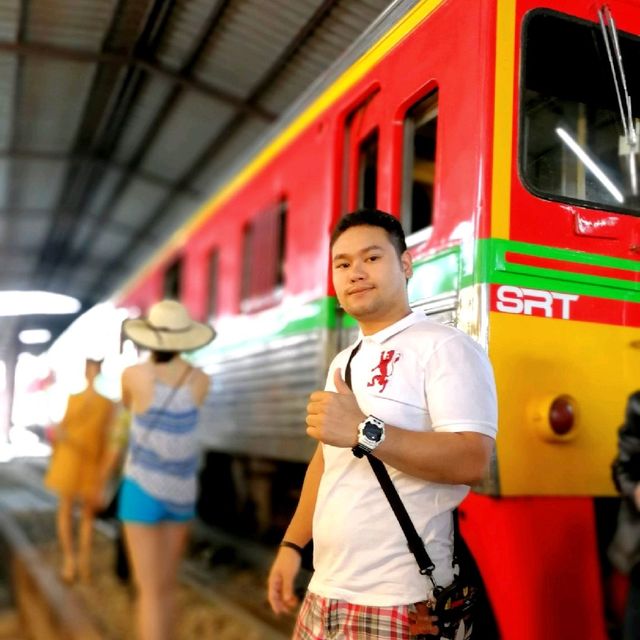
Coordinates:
504 134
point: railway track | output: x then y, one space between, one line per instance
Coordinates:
36 604
46 610
239 568
223 600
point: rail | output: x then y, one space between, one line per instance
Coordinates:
37 605
48 610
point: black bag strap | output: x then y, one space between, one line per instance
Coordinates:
414 541
181 381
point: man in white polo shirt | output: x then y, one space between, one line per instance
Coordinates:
423 403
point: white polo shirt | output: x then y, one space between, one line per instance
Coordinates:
421 376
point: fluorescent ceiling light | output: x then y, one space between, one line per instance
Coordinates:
34 336
24 303
590 164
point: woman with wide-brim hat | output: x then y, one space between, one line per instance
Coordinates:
158 492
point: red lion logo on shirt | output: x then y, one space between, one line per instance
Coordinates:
385 367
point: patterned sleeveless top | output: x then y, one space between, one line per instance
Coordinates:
163 451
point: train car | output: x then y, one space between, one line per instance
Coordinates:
504 135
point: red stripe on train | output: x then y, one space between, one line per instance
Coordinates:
571 267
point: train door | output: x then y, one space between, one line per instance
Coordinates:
434 288
360 180
362 141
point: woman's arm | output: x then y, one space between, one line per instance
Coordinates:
200 386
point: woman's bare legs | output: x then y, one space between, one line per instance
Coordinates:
86 538
64 523
155 552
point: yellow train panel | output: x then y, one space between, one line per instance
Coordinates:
538 359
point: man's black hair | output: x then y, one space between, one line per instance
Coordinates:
372 218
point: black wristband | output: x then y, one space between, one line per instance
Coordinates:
292 545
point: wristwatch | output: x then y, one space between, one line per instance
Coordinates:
370 435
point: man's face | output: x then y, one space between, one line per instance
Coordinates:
368 276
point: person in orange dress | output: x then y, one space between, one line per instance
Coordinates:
74 472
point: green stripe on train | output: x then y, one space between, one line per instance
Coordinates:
437 274
281 321
445 272
492 266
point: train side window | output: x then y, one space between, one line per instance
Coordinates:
264 250
368 172
214 274
247 261
362 127
420 134
172 278
281 244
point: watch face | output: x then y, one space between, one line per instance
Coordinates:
372 432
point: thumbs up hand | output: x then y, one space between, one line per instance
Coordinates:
333 416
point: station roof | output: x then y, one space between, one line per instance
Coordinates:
117 118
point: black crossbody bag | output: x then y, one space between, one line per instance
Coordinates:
452 604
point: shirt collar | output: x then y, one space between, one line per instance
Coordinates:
384 334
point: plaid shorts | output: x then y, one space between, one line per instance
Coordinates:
324 619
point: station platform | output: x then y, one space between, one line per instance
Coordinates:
224 600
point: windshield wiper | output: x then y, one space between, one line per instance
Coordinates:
610 35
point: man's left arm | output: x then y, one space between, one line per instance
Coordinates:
461 398
448 458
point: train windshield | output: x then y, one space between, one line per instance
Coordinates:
580 118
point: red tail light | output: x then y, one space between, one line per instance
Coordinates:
555 417
562 415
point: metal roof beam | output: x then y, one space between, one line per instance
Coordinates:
17 91
158 122
24 49
146 44
116 226
303 35
321 13
106 78
82 178
214 19
13 251
140 174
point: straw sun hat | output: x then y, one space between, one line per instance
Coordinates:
168 327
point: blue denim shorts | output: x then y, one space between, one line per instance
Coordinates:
136 505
